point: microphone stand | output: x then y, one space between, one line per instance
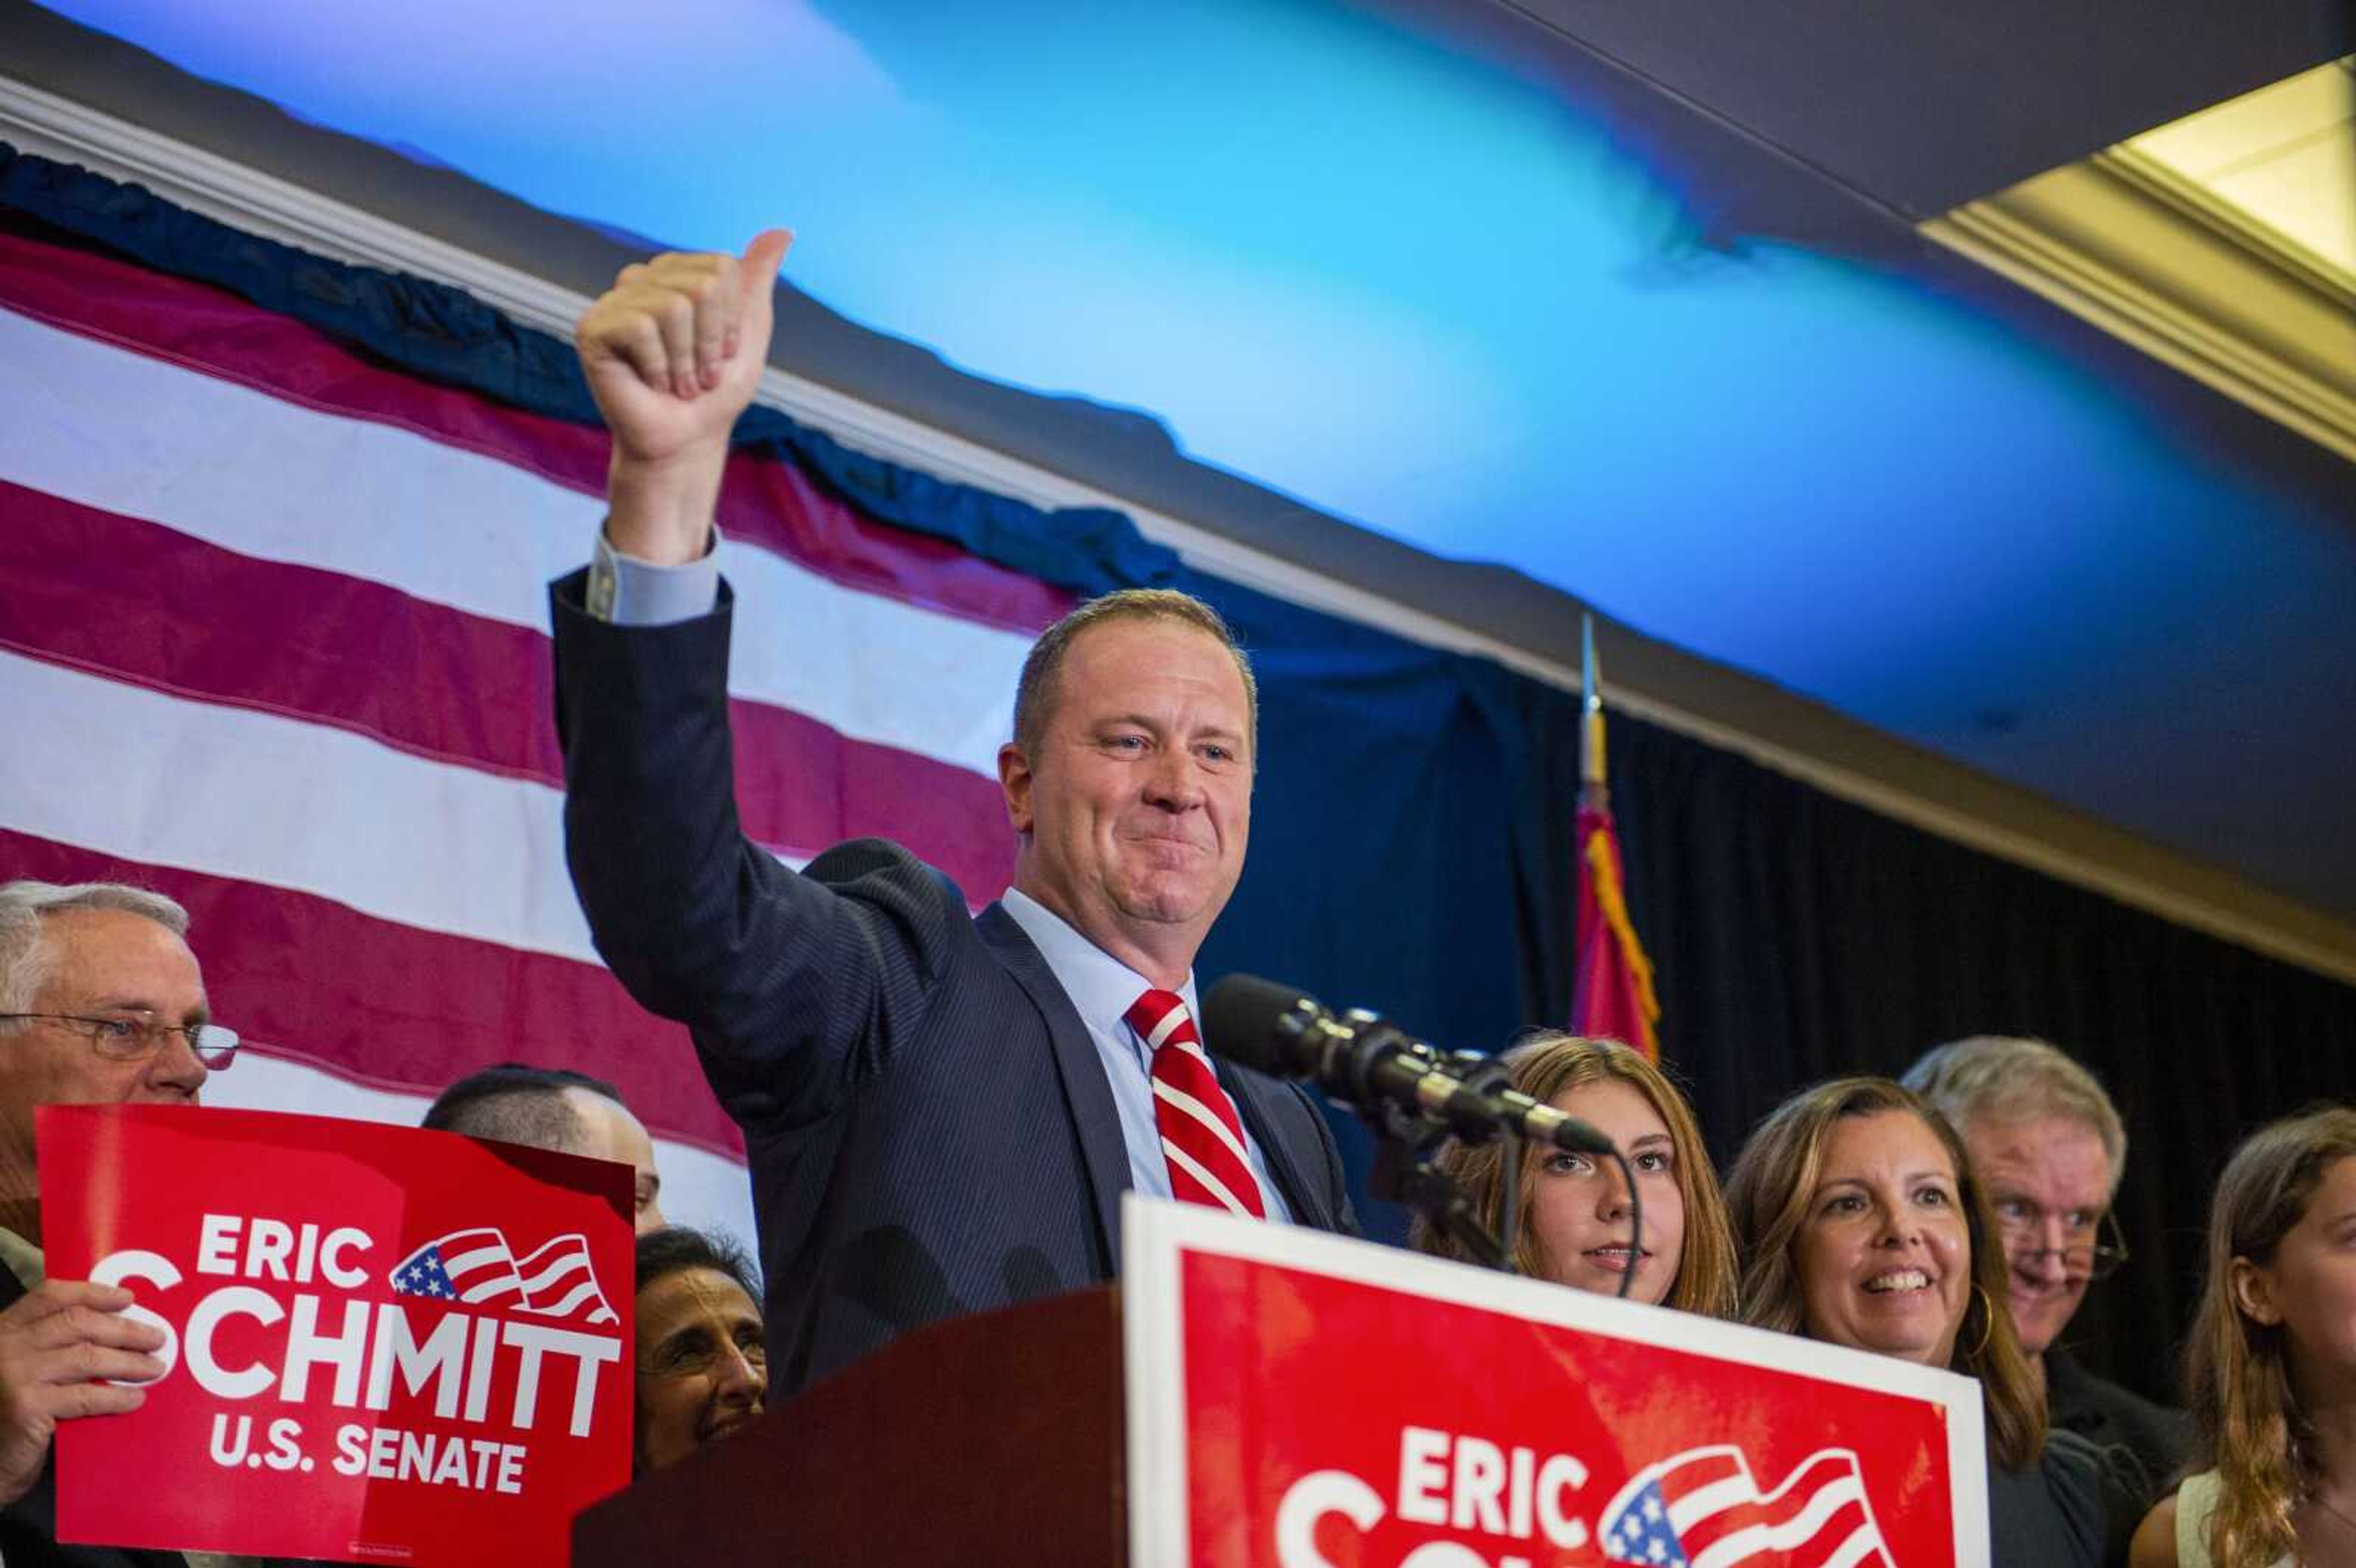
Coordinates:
1407 1171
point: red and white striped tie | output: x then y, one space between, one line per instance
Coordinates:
1200 1137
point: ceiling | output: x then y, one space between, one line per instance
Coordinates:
2283 157
1629 298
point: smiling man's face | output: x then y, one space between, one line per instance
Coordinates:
2049 1179
1136 811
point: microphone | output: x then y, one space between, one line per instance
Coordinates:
1365 1061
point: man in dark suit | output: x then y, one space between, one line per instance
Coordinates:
100 1002
941 1110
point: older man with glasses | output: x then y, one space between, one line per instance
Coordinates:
100 1002
2049 1146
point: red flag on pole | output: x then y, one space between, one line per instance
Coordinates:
1611 995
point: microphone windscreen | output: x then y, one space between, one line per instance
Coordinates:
1240 1013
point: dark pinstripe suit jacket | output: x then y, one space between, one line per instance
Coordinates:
929 1128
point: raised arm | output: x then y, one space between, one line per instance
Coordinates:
673 353
796 985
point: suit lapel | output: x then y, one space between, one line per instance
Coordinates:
1258 1101
1084 1089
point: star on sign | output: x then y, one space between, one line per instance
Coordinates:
1652 1509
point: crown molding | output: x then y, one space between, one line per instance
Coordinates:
2126 242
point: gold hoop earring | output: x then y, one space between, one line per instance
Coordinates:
1987 1323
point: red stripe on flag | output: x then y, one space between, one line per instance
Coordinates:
767 503
141 602
397 1008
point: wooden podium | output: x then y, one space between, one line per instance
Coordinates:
1008 1426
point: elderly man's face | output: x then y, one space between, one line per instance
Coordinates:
2049 1179
110 963
1138 808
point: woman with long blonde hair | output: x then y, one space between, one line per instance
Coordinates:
2270 1370
1575 1227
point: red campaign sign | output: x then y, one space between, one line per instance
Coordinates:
1324 1421
386 1345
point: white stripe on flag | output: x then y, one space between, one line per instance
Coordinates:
250 473
1865 1543
1829 1500
1194 1168
583 1291
456 1263
548 1278
572 1244
391 834
700 1188
1703 1502
1204 1115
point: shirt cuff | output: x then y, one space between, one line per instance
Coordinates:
629 592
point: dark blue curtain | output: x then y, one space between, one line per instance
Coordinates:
1412 847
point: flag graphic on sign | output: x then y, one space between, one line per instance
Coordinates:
1702 1509
478 1268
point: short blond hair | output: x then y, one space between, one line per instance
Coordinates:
1037 694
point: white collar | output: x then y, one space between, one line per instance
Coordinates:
1101 987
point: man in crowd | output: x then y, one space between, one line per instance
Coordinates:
941 1110
557 1109
2050 1147
702 1371
100 1002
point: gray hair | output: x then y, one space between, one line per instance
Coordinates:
25 905
2003 1077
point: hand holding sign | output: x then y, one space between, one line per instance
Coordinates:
376 1344
60 1347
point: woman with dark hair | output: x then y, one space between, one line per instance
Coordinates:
1576 1226
701 1370
1860 1222
2270 1370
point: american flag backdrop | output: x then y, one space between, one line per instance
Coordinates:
273 640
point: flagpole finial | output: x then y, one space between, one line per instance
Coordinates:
1590 708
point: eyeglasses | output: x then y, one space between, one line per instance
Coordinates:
2093 1251
134 1040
